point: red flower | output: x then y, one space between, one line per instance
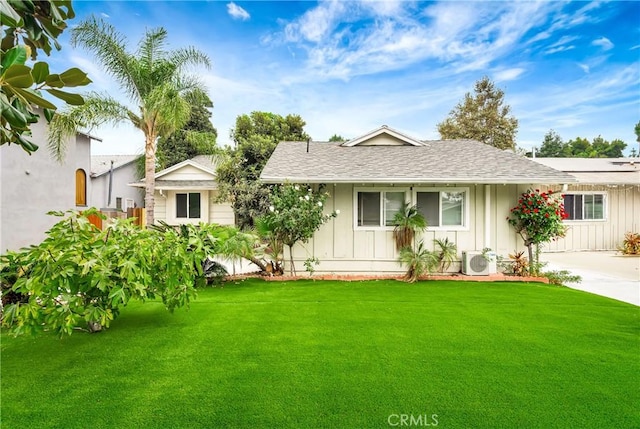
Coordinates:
536 210
546 215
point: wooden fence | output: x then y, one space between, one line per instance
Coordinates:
138 213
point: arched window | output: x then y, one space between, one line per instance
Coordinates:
81 187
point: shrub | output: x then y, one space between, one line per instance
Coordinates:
538 219
407 222
630 244
447 254
561 277
81 276
419 261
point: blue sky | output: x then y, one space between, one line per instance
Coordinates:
348 67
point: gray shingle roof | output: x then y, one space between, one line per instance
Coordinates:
101 164
439 161
181 184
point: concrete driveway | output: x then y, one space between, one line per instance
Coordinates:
603 273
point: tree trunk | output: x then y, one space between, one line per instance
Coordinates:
292 269
531 261
259 263
150 177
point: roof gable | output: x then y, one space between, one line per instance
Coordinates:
188 165
383 136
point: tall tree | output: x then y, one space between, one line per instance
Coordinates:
553 146
29 27
255 136
482 116
580 148
337 138
196 137
152 77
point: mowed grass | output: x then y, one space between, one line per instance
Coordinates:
323 354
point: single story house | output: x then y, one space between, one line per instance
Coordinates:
110 176
186 193
32 185
603 203
464 188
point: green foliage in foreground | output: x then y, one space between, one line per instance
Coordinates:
81 276
320 354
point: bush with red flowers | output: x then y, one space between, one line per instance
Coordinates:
538 219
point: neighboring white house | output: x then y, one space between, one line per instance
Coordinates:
32 185
115 171
464 188
186 194
603 205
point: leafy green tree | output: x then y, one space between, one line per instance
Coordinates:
615 149
483 117
337 138
580 148
196 137
537 218
553 146
152 77
29 27
256 137
80 277
295 214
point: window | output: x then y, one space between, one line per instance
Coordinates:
81 187
585 206
443 208
188 205
377 208
118 203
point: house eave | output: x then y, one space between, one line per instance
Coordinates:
415 180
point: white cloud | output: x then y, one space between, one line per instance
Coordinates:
104 15
585 67
559 49
604 43
346 39
237 12
508 74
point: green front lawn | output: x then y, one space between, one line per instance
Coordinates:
330 354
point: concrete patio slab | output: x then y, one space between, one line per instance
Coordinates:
608 274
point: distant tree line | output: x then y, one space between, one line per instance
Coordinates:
553 146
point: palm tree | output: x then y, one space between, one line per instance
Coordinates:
152 77
408 220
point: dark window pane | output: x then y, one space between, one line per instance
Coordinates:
181 205
598 206
368 208
568 206
578 207
429 206
194 206
393 202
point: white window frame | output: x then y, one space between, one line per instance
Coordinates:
466 208
605 203
382 220
171 208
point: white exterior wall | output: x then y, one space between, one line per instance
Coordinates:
341 247
187 172
622 215
212 212
121 178
30 186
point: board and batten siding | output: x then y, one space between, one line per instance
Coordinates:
622 215
188 172
220 213
341 248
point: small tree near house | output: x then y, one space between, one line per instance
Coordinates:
295 214
537 218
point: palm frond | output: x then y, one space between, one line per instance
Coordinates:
97 110
170 110
109 47
151 47
188 56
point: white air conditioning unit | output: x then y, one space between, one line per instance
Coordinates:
476 263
